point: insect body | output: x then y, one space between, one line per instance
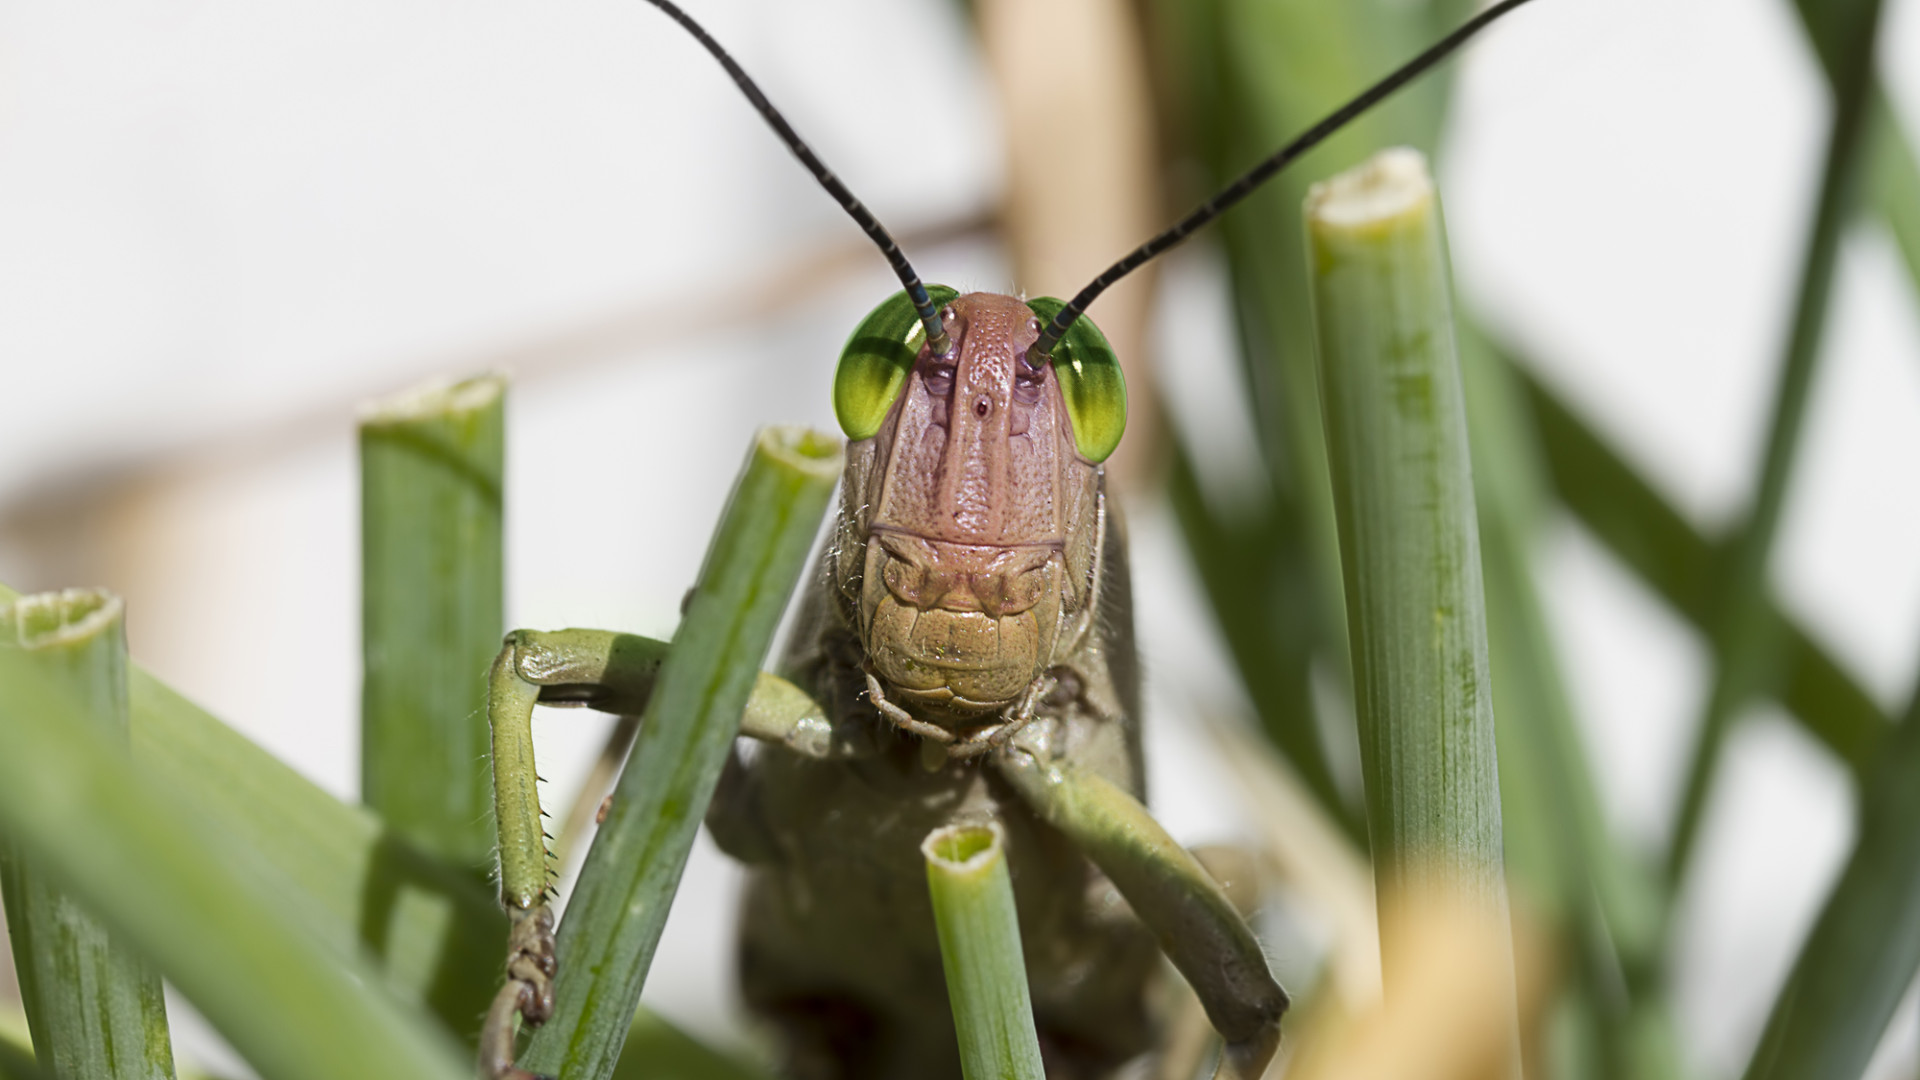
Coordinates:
965 655
975 590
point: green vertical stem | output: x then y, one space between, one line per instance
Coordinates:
1409 544
96 1010
1746 643
980 952
613 922
431 463
1244 78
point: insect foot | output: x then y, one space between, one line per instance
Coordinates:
528 993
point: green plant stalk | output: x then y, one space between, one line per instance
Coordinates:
1409 543
431 612
96 1010
1745 643
1246 77
980 952
613 922
1861 956
119 842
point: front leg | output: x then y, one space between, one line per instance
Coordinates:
613 673
1169 890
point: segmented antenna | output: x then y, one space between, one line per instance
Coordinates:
937 340
1042 348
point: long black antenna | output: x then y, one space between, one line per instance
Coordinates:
1042 348
937 340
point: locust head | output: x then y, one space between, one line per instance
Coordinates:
968 538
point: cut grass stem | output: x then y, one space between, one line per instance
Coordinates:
980 952
431 586
1409 542
614 919
96 1010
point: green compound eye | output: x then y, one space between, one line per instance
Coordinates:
1090 382
877 358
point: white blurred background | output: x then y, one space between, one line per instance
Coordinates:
224 223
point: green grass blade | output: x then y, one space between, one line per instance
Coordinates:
1745 643
432 931
1863 951
1409 544
117 840
1658 544
980 952
431 611
96 1010
613 922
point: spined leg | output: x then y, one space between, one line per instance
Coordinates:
1169 890
614 673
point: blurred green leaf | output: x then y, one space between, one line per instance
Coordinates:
1860 958
1680 565
1745 642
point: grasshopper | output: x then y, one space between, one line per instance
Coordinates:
965 655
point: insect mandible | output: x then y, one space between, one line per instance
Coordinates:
966 654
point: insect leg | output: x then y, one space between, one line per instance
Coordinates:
614 673
1187 911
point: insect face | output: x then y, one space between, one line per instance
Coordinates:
970 505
